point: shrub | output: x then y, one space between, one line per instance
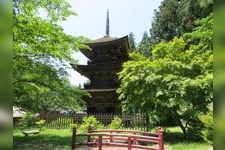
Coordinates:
73 125
90 121
27 120
40 124
61 122
201 127
116 123
207 130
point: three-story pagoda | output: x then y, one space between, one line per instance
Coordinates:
106 57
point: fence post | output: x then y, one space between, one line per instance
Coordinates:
161 143
74 139
89 132
147 122
100 142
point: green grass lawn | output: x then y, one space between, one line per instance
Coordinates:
174 140
60 139
52 139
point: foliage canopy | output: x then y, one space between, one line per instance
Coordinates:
42 52
177 79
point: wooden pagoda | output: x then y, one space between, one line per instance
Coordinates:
105 61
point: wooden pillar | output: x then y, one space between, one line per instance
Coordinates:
110 137
161 142
134 139
100 142
74 139
129 143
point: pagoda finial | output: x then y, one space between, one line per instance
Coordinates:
107 23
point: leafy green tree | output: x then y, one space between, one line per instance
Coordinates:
42 52
40 98
132 41
177 79
144 46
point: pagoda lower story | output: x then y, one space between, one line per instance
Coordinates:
103 101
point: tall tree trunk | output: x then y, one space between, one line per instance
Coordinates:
178 120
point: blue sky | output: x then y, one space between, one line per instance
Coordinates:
125 16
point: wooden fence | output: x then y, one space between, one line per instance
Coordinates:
63 120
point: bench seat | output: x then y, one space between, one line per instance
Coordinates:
26 133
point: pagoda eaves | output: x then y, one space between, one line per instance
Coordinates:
105 47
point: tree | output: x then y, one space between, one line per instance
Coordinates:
42 52
42 99
165 24
173 18
36 91
177 79
144 46
176 17
132 41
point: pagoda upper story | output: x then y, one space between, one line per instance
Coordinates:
106 56
107 50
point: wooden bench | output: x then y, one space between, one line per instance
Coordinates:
26 133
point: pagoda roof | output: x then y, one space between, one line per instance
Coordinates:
105 38
109 44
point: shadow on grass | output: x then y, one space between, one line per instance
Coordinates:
42 142
178 137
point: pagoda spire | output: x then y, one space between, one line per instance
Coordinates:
107 23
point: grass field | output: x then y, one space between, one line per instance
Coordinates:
48 139
60 139
174 140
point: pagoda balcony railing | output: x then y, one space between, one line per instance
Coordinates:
100 86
